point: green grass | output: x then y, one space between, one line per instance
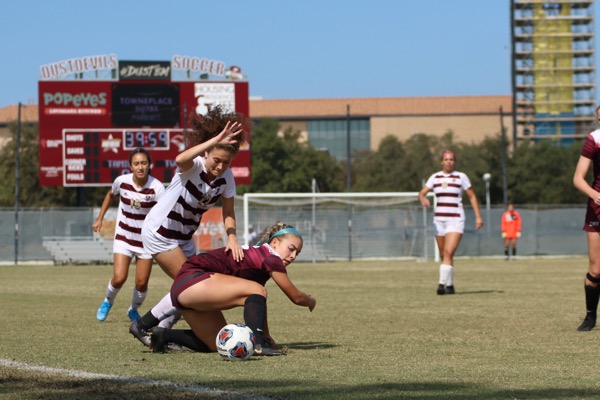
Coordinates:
379 331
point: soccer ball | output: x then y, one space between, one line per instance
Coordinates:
235 342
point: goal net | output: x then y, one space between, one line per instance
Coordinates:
346 226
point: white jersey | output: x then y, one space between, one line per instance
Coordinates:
177 215
134 204
448 190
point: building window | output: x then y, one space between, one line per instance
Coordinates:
331 136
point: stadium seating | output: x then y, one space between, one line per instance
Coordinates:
79 249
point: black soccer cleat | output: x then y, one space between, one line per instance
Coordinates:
158 340
449 290
441 289
140 333
587 325
265 351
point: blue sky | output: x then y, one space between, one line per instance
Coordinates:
288 49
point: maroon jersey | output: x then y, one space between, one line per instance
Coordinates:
257 264
591 150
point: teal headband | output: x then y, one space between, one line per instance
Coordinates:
284 232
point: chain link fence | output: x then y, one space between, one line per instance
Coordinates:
404 231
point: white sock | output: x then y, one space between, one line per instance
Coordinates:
445 271
164 308
111 292
170 320
138 298
450 279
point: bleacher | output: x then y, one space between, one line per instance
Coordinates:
79 249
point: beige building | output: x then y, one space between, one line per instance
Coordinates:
471 118
323 121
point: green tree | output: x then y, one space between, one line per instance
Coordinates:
285 164
543 173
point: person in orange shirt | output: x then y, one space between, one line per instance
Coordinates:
511 230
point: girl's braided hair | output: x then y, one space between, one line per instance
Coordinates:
266 237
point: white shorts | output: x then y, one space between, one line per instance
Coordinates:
130 251
443 227
156 244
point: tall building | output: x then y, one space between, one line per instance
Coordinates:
553 69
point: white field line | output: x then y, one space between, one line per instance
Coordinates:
125 379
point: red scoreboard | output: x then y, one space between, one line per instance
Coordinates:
88 128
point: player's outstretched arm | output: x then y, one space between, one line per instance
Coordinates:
296 296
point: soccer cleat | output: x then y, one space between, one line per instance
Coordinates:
158 340
140 333
133 315
449 290
103 310
441 289
587 325
261 351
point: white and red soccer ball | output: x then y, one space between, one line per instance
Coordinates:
235 342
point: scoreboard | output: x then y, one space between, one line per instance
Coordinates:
88 128
91 155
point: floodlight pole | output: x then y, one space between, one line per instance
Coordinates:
348 180
503 153
486 178
17 168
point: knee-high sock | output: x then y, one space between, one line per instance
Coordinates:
255 309
592 295
138 298
444 273
186 338
111 292
170 319
450 279
161 311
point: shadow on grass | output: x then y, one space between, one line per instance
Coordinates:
480 292
50 387
308 345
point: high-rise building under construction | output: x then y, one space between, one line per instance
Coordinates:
553 69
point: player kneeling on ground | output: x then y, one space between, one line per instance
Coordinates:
213 281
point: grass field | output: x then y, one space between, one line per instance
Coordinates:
379 331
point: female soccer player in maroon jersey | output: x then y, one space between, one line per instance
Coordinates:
590 156
214 281
449 215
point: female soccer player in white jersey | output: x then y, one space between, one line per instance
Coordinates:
449 216
138 193
202 178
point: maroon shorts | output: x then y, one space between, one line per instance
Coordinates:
185 278
592 218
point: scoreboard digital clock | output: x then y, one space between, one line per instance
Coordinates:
149 139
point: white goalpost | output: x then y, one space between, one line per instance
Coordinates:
346 226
